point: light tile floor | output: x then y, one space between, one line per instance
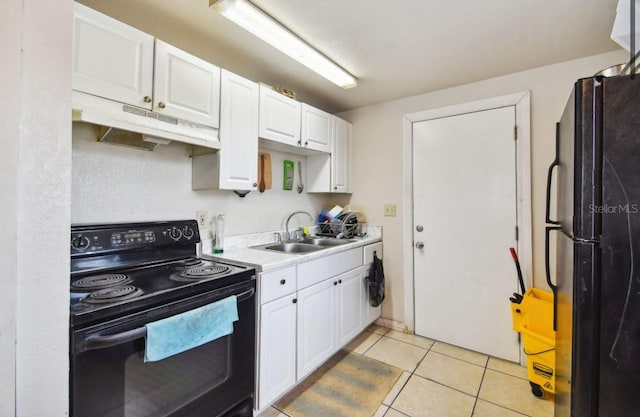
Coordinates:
441 380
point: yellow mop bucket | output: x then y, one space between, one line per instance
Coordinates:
533 319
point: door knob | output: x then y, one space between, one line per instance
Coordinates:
419 228
419 245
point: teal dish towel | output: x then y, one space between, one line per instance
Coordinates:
190 329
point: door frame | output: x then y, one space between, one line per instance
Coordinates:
521 101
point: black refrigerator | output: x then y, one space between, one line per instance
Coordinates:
596 235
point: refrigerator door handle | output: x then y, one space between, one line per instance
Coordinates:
554 164
554 287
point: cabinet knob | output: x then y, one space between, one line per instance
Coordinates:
300 142
161 105
419 245
255 184
306 143
295 300
335 282
147 99
335 188
283 281
339 281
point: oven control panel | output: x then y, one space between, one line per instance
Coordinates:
92 239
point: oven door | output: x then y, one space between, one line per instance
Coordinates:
109 377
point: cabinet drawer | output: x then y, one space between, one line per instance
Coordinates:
368 252
276 284
312 272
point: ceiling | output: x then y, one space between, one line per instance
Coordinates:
395 48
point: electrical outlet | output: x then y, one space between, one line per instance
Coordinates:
390 210
202 217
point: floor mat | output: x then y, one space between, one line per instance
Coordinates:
348 385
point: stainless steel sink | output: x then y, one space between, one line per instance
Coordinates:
324 241
292 247
311 244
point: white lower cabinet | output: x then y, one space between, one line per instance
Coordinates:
316 325
349 305
307 313
277 348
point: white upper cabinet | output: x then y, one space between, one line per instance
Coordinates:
116 61
279 117
186 86
238 133
332 173
316 129
111 59
341 156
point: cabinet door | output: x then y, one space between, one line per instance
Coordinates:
349 305
277 361
186 86
341 156
316 325
316 129
279 117
111 59
238 132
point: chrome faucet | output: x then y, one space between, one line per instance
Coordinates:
288 235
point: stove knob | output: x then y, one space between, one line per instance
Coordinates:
187 232
175 233
80 243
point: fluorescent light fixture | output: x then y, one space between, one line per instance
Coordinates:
251 18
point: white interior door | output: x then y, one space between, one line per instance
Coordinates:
464 182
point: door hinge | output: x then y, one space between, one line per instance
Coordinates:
515 133
517 233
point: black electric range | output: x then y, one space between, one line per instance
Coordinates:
121 268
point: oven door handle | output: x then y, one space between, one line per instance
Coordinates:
96 341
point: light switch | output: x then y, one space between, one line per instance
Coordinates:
390 210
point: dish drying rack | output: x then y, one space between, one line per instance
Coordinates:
343 227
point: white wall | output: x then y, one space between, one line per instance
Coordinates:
116 183
35 184
378 139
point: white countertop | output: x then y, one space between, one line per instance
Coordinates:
263 260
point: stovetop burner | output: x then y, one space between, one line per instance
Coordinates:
113 294
189 263
202 272
122 268
102 281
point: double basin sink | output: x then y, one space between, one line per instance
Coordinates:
311 244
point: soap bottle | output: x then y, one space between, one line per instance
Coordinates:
218 246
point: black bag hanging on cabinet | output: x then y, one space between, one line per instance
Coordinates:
376 282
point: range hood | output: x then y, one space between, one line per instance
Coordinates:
128 125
